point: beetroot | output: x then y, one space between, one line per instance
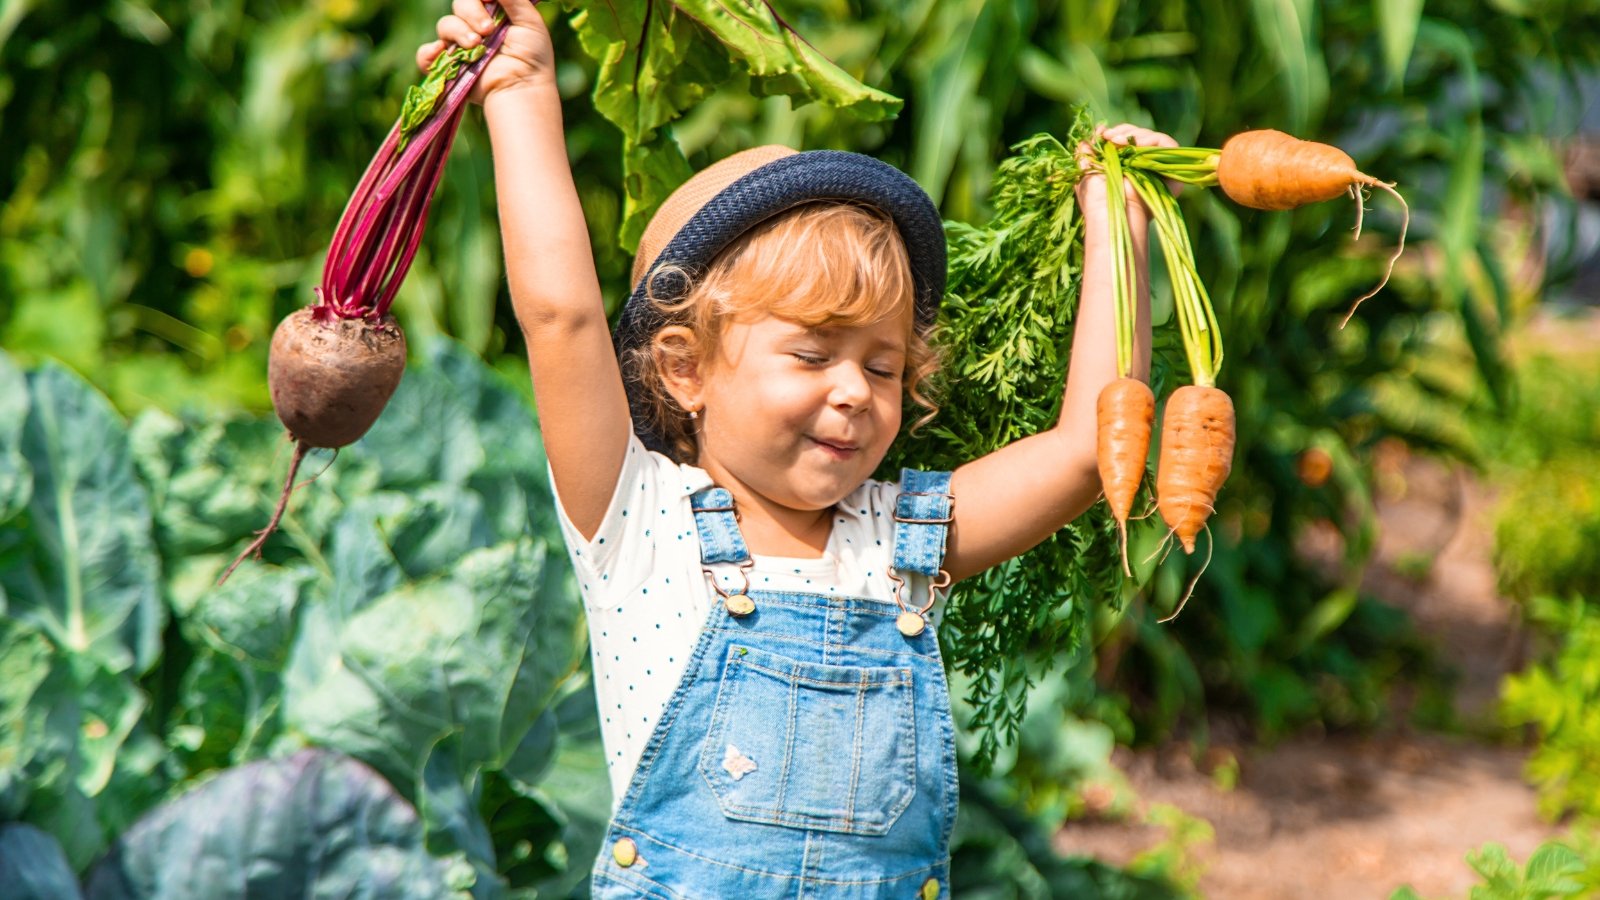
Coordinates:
329 382
333 365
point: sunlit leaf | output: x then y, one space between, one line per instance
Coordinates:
91 578
1397 29
16 479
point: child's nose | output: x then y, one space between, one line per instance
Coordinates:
850 386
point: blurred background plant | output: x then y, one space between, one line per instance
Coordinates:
172 170
1546 523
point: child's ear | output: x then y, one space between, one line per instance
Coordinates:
677 358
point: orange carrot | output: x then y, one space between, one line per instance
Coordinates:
1125 410
1268 169
1197 436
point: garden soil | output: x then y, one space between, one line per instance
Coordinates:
1351 817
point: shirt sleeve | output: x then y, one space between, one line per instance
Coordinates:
598 561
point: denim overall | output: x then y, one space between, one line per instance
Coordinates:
808 750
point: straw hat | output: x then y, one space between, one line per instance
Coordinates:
726 199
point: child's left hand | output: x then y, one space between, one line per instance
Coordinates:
1092 186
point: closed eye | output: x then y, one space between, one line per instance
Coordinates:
808 359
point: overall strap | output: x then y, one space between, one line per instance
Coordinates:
720 540
922 515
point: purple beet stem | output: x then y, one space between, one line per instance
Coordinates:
381 228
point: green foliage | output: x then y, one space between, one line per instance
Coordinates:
412 615
1560 699
1175 858
1554 870
171 172
423 98
997 853
1541 456
1557 411
172 175
1007 318
1551 553
312 824
659 59
88 577
80 593
1059 767
1265 630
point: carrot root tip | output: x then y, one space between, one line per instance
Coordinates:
1405 225
1189 592
1122 534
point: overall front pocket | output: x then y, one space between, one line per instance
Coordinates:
810 745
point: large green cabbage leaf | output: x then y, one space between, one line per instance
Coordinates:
413 612
89 578
16 479
32 866
80 587
315 824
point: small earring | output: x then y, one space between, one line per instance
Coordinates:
694 414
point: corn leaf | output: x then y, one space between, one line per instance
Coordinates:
1397 29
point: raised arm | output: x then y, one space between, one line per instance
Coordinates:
1014 498
577 383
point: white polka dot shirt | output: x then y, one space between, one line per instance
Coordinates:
647 597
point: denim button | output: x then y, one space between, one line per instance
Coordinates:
739 605
930 889
625 852
911 625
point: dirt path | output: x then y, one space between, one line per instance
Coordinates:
1357 817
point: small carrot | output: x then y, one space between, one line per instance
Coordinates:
1267 169
1125 410
1197 438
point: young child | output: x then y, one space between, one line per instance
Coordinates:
774 709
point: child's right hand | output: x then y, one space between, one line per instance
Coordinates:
526 58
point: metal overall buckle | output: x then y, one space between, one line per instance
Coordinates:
911 622
737 603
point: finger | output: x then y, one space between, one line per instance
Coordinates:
474 14
1122 139
453 30
1149 138
427 53
520 12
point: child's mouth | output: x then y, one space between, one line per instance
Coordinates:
837 450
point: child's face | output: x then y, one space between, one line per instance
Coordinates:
802 415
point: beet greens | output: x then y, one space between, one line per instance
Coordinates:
381 228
